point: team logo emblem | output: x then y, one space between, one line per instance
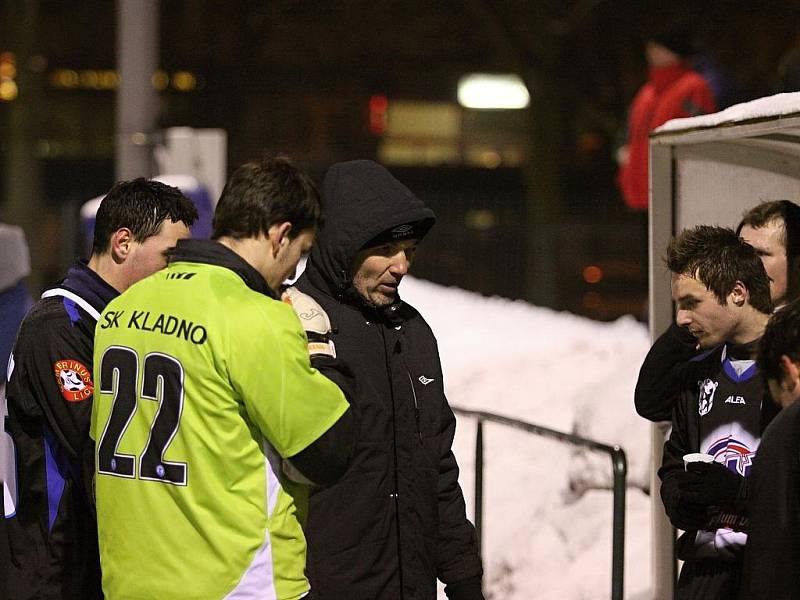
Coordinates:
74 380
706 400
734 454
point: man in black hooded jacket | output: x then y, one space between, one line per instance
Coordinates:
396 521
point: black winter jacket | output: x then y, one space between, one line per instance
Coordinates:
53 531
396 521
716 410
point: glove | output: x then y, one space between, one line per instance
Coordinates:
314 320
466 589
712 484
687 515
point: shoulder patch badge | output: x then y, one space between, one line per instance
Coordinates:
74 380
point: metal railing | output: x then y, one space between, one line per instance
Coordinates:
618 464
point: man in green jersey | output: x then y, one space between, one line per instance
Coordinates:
204 395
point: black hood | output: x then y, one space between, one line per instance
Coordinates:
362 200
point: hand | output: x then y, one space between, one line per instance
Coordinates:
314 319
712 484
687 515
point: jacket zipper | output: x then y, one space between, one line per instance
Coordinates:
416 404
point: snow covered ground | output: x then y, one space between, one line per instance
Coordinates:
547 507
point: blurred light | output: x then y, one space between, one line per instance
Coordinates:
480 219
592 274
183 81
481 90
490 159
8 90
160 80
89 79
378 114
8 70
8 66
37 63
64 78
108 79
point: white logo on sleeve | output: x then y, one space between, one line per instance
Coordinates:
424 380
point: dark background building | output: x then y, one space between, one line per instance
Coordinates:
527 199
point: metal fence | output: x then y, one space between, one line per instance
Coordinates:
618 465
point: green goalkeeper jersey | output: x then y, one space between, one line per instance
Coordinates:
202 386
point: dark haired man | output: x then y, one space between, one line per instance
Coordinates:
399 511
773 541
721 292
773 229
205 397
51 524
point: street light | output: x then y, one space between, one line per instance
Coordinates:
492 91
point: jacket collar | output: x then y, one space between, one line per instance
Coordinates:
84 282
213 253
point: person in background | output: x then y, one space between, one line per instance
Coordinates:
207 411
773 229
773 541
672 90
14 303
399 510
50 521
721 292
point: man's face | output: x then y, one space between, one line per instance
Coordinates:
289 255
767 241
147 257
377 271
699 311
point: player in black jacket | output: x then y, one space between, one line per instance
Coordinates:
396 520
722 296
772 554
51 524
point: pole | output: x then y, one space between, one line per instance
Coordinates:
137 101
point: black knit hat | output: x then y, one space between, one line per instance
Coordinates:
677 37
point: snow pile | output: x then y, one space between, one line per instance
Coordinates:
564 372
762 108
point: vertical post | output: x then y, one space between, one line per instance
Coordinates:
479 485
620 467
137 101
661 228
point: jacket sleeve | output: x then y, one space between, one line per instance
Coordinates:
458 560
325 460
672 460
664 370
40 407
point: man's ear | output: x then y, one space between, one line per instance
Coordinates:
739 294
791 374
120 246
279 236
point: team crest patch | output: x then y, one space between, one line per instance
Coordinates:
706 399
74 380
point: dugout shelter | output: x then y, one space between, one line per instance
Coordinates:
709 170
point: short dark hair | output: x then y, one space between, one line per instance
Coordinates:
785 211
141 205
718 258
781 336
261 194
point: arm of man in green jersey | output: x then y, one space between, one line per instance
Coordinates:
303 414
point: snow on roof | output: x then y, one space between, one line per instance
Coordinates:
779 105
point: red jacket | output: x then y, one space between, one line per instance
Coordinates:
672 92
